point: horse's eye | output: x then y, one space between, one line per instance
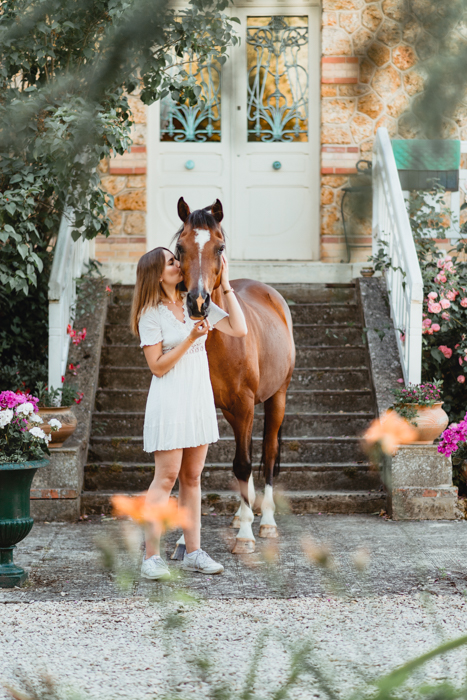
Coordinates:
220 250
179 252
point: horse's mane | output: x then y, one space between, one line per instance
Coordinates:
200 218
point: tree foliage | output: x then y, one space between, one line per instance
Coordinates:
66 70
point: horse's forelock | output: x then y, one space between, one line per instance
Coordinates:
200 218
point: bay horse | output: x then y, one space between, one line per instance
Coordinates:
244 371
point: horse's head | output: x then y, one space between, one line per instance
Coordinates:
199 248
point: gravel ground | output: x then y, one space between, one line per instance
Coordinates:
118 649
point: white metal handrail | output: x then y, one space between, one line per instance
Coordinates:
69 260
392 232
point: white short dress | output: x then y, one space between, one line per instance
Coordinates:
180 410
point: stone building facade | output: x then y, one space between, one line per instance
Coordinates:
369 77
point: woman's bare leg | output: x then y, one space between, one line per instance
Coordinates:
167 464
190 492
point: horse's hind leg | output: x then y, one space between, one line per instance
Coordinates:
251 500
274 409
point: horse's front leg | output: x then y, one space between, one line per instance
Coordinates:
274 409
241 420
251 501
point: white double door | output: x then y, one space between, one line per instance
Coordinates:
264 165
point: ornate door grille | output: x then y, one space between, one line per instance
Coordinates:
277 58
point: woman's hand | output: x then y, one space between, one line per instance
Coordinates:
198 330
225 283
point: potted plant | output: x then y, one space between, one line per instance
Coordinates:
453 444
55 404
421 405
23 448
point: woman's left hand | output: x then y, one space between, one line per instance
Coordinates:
225 283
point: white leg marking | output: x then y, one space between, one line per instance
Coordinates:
245 541
181 540
268 526
251 491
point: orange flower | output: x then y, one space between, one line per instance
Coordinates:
390 431
168 516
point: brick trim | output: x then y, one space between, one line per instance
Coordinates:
341 70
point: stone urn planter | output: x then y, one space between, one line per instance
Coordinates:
431 421
15 520
66 417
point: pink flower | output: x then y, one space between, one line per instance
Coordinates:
449 266
434 308
445 304
400 381
461 361
447 352
451 295
445 316
403 337
428 331
435 327
433 295
440 264
440 278
426 323
464 302
461 378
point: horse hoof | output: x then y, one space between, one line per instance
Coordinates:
179 552
243 546
235 522
269 531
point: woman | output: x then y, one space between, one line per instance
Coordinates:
180 419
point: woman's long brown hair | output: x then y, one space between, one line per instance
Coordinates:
148 290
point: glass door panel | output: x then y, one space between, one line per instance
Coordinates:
277 67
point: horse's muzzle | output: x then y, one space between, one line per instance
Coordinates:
198 305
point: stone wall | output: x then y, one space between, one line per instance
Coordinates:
124 177
369 77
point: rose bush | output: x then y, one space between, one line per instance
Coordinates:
445 302
21 438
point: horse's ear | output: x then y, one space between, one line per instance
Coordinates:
217 211
183 209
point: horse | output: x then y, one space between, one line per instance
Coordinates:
244 371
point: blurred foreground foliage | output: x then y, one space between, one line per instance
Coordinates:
67 68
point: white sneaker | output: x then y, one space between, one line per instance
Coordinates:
202 563
154 568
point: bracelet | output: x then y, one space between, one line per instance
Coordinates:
226 291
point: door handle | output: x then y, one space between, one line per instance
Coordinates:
277 165
190 164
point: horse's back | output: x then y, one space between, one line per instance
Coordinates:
270 333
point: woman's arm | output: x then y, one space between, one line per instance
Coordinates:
160 363
234 324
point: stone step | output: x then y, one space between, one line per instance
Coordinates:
326 378
326 314
294 425
292 477
302 293
323 314
225 502
123 400
308 334
317 293
124 356
294 450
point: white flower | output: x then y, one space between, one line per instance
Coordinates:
35 418
48 438
55 424
38 433
25 408
5 417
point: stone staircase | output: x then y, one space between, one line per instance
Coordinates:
329 404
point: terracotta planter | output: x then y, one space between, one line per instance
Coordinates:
431 421
66 417
15 519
